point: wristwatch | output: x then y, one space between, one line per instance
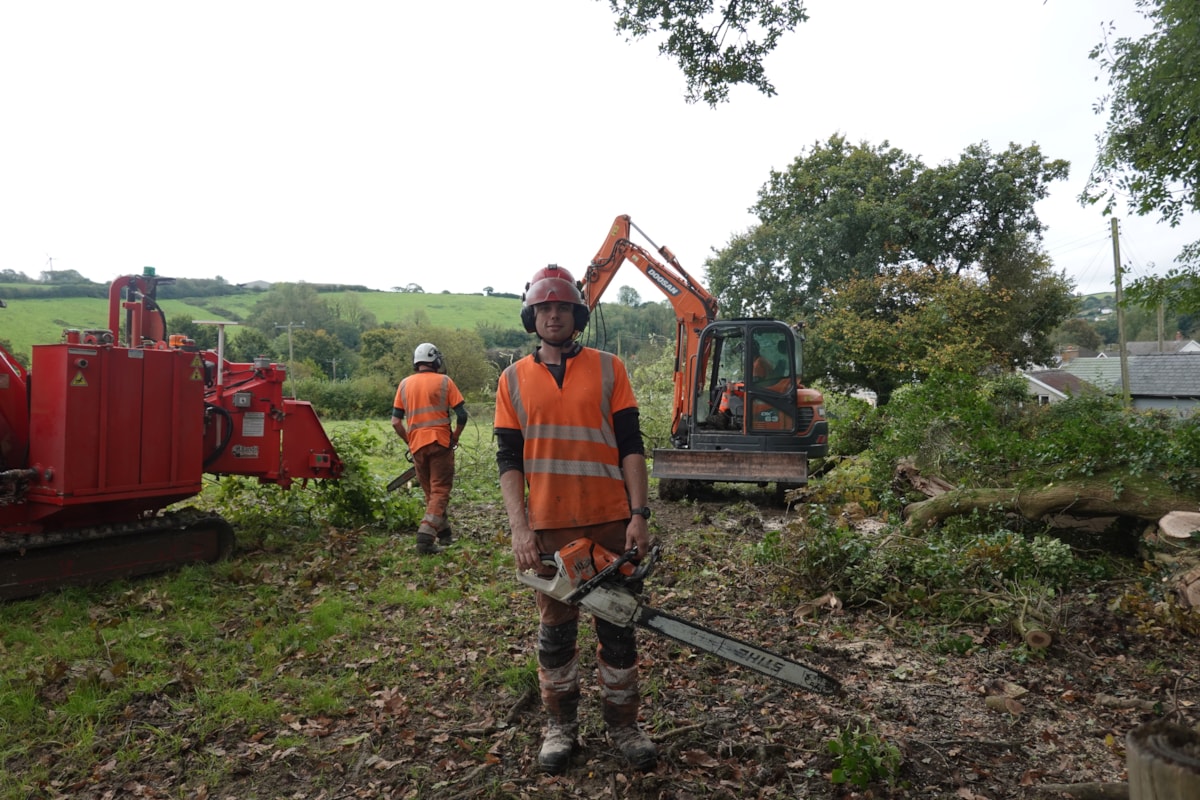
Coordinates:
643 511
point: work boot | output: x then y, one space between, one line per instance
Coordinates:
619 687
426 545
635 745
560 696
445 537
559 740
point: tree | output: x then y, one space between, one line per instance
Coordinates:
63 276
247 344
1149 152
323 349
843 211
882 331
905 324
715 48
625 329
1030 301
1080 333
292 304
350 319
628 296
390 351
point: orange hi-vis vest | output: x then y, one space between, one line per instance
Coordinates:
427 398
572 465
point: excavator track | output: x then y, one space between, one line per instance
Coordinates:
37 563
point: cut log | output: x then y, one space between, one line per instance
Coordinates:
1139 497
1181 525
1031 630
1188 588
1163 762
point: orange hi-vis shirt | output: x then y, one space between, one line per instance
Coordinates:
572 465
427 398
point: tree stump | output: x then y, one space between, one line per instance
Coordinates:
1163 762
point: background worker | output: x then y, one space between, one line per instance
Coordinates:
567 429
426 399
761 368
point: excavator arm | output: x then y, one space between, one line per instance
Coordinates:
692 303
694 307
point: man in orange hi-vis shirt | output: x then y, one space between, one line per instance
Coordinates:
567 428
425 400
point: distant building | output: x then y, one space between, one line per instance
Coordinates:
1166 381
1176 345
1055 385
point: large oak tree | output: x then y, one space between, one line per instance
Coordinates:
844 225
843 211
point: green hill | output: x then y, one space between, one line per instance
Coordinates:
26 322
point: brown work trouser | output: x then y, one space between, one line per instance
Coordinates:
435 473
560 685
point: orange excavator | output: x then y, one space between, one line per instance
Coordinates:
110 428
740 413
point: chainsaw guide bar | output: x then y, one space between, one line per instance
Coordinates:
599 581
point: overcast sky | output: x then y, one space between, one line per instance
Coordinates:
462 145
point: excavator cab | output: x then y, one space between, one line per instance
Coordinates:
753 421
750 386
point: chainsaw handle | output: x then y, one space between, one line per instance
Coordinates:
643 569
646 566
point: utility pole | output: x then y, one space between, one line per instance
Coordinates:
1162 324
1125 393
291 352
333 361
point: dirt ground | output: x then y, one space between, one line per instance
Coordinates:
986 725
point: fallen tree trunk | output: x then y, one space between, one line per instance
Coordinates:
1141 497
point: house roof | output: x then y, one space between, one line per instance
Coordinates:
1102 372
1060 381
1165 375
1158 375
1152 348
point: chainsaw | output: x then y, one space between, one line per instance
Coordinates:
599 581
404 477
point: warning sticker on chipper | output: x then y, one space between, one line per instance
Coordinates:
254 424
244 451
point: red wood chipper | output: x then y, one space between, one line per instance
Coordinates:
110 427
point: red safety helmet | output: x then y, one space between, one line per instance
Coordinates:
552 284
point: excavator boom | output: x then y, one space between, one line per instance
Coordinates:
739 411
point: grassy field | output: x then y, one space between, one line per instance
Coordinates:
26 322
30 322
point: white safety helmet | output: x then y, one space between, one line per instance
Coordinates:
427 353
